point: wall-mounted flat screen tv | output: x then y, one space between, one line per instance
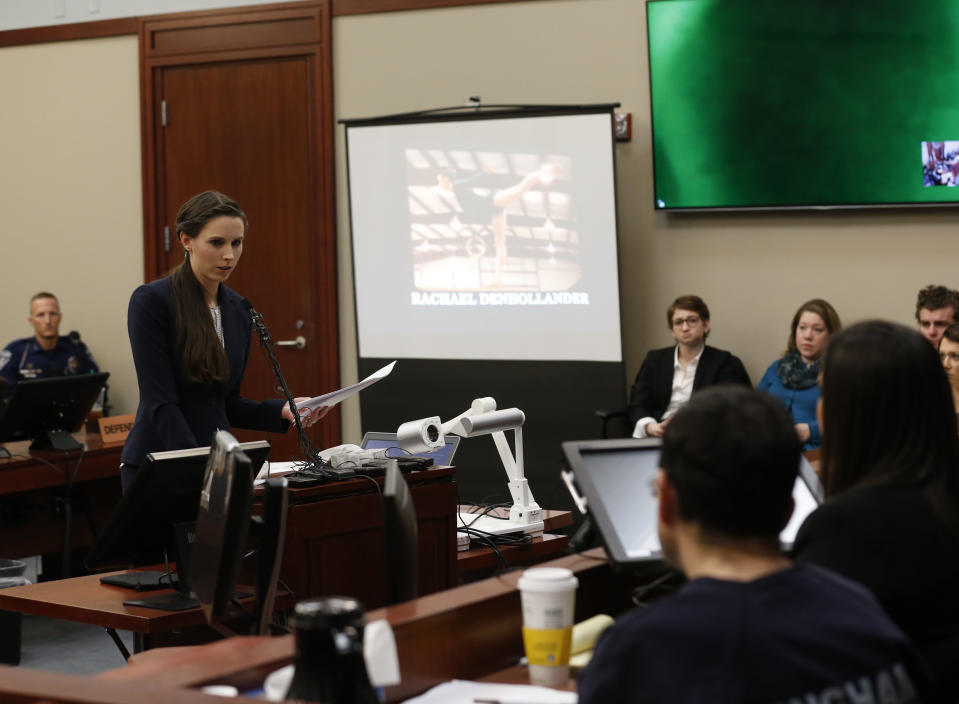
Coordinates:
804 103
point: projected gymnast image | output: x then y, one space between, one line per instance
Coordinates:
484 221
940 163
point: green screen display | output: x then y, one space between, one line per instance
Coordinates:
804 103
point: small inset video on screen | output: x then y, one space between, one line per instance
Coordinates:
940 163
491 221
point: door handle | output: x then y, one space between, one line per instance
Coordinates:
299 343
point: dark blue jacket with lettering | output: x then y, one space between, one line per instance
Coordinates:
802 635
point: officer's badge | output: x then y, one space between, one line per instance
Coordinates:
73 365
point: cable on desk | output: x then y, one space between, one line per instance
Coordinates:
76 470
483 511
376 484
483 538
31 458
640 593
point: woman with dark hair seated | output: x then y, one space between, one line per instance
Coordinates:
949 356
890 465
794 379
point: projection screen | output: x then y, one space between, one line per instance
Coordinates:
486 237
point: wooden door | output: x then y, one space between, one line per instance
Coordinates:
255 126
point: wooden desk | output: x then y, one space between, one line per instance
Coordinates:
20 684
334 545
334 537
467 633
34 487
86 600
483 561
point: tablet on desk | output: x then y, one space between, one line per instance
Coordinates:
618 480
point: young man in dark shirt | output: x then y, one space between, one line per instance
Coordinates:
748 626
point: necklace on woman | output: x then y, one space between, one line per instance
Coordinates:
218 323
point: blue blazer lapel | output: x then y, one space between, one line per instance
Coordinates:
235 335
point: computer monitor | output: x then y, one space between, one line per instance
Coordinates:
156 516
222 525
618 480
401 540
47 411
441 456
272 533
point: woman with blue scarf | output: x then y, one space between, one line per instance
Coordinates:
794 379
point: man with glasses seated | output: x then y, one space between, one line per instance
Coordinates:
669 376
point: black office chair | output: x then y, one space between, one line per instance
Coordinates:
402 546
615 423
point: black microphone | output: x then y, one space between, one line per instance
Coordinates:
257 320
74 337
319 468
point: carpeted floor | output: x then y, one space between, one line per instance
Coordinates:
63 646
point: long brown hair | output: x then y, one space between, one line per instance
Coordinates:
888 416
202 357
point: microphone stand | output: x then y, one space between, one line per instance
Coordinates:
318 468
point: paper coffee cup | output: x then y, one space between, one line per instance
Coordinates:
548 596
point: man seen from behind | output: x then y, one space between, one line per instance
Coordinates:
748 625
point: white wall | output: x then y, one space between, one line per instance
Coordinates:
18 14
753 269
71 198
70 193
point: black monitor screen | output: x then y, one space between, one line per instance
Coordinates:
222 525
618 479
165 493
48 410
803 103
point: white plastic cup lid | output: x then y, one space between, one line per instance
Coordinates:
548 579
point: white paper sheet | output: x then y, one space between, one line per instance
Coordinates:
465 692
334 397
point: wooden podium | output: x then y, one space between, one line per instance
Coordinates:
334 537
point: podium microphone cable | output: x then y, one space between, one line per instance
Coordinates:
314 465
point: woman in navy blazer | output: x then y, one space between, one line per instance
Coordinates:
190 337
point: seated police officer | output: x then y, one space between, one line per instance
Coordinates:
749 625
46 354
669 376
